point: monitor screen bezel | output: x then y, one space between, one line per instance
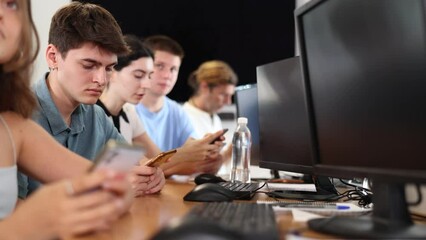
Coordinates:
277 162
390 217
242 92
389 175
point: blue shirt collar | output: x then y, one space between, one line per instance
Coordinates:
48 107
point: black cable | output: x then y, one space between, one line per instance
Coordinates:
355 186
251 192
360 194
363 198
269 190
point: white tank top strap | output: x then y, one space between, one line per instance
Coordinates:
10 137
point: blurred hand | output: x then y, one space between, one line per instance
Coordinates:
146 180
211 165
197 156
72 207
197 150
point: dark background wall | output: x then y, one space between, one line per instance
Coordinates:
244 33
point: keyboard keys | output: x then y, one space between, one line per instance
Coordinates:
251 220
243 191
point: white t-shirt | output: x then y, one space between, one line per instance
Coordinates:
134 127
127 121
202 121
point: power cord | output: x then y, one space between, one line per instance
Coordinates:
364 196
251 192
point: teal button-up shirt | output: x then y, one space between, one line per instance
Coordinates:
90 129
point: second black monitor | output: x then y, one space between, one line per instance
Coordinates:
285 142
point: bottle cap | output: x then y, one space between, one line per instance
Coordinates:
242 120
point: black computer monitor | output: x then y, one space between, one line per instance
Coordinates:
283 117
285 140
364 69
246 103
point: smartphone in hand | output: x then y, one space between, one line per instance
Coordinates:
118 156
160 158
217 139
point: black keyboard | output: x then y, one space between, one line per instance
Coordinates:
246 220
243 191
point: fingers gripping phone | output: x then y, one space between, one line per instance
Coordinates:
218 138
160 158
118 156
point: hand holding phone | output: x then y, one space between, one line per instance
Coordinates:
160 158
118 156
218 138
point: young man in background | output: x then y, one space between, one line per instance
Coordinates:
213 85
166 122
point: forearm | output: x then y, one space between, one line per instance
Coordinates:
47 160
181 156
181 168
21 227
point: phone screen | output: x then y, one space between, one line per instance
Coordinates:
119 157
160 158
217 139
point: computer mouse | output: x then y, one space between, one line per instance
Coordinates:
208 178
182 229
209 192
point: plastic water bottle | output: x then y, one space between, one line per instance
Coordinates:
241 149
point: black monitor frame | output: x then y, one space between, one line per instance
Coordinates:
284 128
245 99
391 218
280 92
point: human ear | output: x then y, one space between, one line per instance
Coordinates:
51 57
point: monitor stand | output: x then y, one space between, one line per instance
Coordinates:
390 220
275 173
325 190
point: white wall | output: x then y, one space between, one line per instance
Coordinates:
43 11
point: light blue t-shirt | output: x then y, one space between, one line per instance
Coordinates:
89 131
170 127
